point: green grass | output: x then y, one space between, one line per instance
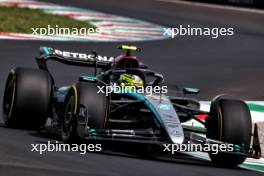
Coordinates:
21 20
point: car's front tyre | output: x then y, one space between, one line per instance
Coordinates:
230 122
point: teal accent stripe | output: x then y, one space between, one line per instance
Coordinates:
255 107
46 50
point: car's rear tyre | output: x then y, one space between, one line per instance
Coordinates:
27 98
83 108
230 121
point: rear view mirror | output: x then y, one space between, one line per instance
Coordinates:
189 90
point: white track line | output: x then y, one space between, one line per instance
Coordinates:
216 6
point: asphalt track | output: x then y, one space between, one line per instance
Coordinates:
231 65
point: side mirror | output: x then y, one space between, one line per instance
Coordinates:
189 90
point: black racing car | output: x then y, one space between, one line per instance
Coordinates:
88 110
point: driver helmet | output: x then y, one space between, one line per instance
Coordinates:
130 80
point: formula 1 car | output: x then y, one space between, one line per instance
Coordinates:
84 110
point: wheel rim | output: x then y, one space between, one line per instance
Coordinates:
9 98
68 116
220 124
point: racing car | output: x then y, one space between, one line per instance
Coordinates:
83 110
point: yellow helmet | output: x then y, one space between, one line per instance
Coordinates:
130 80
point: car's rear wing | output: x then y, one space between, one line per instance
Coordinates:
73 58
